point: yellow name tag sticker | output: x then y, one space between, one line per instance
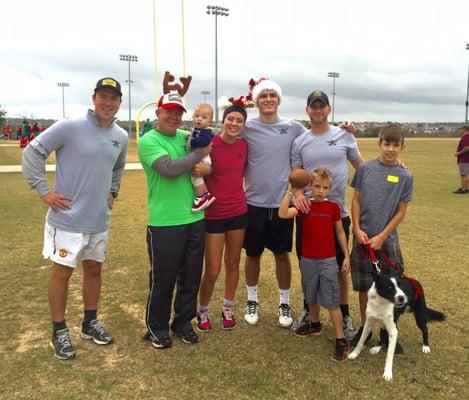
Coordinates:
392 179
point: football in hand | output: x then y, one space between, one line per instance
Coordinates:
299 178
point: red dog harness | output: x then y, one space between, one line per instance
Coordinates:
418 289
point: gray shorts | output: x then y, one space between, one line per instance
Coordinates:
463 169
320 282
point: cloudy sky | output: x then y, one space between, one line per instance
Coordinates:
398 60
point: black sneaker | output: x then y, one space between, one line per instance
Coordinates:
62 345
96 331
308 329
189 336
460 191
341 350
357 337
163 342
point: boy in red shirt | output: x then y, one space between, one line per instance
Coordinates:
318 264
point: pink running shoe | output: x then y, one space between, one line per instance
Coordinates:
203 322
227 320
201 203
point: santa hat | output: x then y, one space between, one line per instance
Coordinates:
263 84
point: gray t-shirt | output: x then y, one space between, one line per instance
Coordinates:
268 164
90 161
332 150
382 187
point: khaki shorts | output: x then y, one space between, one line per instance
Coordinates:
69 248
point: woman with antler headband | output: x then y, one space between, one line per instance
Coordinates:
225 219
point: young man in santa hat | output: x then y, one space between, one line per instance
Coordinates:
269 138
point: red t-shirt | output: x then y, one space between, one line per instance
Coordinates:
463 158
318 229
226 180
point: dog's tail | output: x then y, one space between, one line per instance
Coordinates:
434 315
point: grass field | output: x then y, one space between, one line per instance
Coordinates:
263 362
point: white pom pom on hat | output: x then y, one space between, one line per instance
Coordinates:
263 85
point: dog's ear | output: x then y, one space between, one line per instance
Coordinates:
386 269
374 272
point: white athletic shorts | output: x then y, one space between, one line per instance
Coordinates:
69 248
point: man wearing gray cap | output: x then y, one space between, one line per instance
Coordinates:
90 156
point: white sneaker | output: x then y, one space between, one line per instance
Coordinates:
349 330
284 316
251 313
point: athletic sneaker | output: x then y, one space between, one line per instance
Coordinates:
96 331
203 322
188 336
202 202
227 320
461 191
163 342
308 329
349 330
284 316
62 345
251 313
354 341
302 320
341 350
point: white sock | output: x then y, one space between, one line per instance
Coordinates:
228 303
284 296
252 293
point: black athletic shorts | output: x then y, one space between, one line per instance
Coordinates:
225 225
266 229
339 255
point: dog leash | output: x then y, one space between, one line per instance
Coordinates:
372 256
418 289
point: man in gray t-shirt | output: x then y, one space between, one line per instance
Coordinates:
90 156
269 138
331 147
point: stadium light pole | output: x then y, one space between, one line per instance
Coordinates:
333 75
129 58
222 12
205 93
63 85
467 93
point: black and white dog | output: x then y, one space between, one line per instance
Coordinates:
389 296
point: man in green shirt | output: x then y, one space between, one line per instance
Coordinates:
175 235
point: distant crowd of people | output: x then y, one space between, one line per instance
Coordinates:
24 132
